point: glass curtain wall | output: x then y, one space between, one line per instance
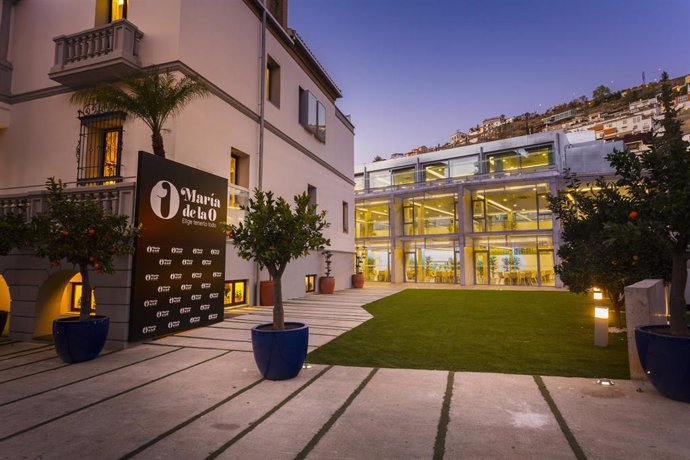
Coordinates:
372 219
514 208
524 158
430 214
456 167
376 266
514 260
432 261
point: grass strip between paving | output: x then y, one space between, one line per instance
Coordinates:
569 436
336 415
440 443
95 403
260 420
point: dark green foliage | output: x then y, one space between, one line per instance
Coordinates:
273 234
81 232
591 251
538 333
327 260
658 182
13 232
153 98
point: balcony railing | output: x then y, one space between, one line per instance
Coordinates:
117 198
237 197
107 52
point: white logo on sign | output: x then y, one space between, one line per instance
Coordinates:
165 200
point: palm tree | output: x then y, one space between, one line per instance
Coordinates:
152 97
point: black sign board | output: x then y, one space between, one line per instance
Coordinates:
179 263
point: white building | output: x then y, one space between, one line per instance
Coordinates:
49 48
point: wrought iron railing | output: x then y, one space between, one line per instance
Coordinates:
99 149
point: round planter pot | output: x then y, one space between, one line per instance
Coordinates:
279 355
3 321
266 293
666 361
326 285
77 341
358 280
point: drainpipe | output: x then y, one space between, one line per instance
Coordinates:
262 124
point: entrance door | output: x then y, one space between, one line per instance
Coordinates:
411 267
481 267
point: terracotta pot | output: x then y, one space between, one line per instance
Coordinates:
358 280
326 285
266 293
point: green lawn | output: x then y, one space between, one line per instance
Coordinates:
517 332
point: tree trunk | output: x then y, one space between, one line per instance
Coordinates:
86 290
618 302
157 143
278 312
676 301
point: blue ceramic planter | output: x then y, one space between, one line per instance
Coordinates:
666 360
77 340
279 355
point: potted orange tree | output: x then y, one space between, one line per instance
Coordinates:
327 283
273 234
82 233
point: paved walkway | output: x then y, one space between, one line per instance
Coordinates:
198 395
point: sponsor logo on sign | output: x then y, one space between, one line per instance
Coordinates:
186 287
197 251
196 275
162 314
194 319
184 310
176 250
205 285
151 277
213 316
176 276
173 300
217 274
165 262
215 252
165 200
153 249
196 296
206 262
187 261
151 303
213 295
206 306
148 329
163 289
173 324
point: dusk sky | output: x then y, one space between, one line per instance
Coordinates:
414 71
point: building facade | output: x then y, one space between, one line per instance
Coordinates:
472 215
270 122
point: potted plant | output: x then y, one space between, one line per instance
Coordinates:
85 235
327 283
358 277
13 231
273 234
657 181
266 294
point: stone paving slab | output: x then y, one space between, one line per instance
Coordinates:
30 369
17 347
212 431
285 433
65 375
495 414
620 422
141 415
27 413
204 343
24 359
395 416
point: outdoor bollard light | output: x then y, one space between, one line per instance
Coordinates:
597 294
601 326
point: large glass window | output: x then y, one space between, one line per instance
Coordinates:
430 214
465 166
359 182
431 261
376 262
312 114
118 9
403 176
511 208
435 172
372 219
100 147
514 260
235 293
520 159
378 179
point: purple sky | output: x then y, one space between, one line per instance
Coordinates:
414 71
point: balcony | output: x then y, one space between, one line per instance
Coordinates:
107 52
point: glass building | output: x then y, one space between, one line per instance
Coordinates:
472 215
